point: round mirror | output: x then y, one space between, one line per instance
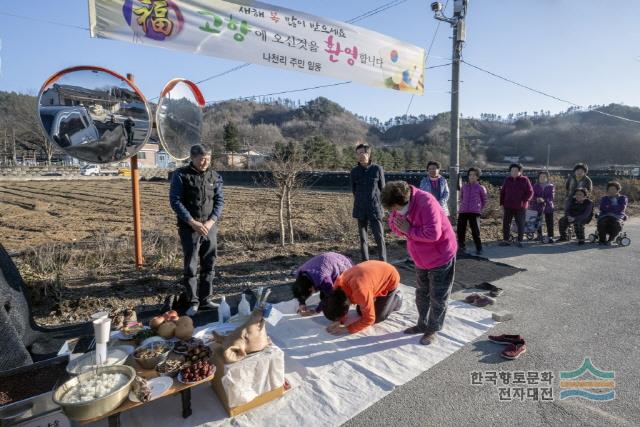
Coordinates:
179 117
94 114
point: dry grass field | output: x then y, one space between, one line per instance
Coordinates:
72 241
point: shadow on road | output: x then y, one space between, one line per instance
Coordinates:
490 352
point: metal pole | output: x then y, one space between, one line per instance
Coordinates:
548 154
454 163
135 199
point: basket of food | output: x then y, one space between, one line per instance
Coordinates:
95 393
150 355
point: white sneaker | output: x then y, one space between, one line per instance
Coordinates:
192 310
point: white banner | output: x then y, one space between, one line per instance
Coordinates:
263 34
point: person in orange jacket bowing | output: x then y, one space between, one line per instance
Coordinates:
373 287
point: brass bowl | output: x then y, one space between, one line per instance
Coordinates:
98 407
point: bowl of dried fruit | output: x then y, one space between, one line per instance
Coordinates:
150 355
170 367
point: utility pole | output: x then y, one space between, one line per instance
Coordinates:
459 34
548 155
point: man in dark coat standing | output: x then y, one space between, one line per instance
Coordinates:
367 181
196 198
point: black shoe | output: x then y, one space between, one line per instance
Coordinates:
520 245
504 243
496 293
580 242
414 330
563 239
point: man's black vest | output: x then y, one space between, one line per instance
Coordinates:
198 190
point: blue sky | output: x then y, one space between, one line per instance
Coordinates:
578 50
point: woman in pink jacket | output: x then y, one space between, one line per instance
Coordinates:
431 243
473 199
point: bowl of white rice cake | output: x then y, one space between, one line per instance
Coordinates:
95 393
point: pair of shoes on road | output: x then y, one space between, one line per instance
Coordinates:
428 338
516 346
479 300
562 239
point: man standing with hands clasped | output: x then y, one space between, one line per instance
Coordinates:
196 198
367 181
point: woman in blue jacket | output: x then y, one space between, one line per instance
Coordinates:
436 184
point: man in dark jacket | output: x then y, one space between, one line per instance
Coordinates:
196 198
577 211
367 181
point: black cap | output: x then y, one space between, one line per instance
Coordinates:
199 150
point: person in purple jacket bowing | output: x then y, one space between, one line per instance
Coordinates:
318 274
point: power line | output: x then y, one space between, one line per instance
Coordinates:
282 92
29 18
545 93
375 11
433 39
316 87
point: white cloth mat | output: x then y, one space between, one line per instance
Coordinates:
332 378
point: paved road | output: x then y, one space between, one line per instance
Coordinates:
571 302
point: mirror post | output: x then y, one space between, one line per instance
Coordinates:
135 193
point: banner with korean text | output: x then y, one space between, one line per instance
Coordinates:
263 34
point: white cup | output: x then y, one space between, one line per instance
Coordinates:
100 315
102 330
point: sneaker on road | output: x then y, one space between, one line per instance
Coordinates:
505 339
472 298
496 293
483 301
515 350
192 310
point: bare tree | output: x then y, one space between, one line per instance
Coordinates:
287 166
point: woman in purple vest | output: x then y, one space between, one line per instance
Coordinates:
542 202
318 274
